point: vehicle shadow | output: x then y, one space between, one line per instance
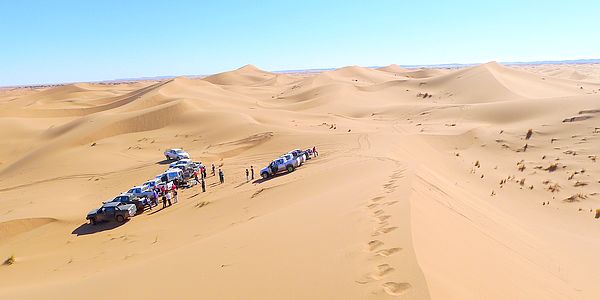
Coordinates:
165 162
87 228
261 180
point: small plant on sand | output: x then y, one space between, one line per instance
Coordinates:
477 164
11 260
552 167
529 134
575 198
554 188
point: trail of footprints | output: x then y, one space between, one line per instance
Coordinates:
380 251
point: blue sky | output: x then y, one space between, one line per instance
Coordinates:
70 41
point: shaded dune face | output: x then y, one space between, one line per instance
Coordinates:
425 177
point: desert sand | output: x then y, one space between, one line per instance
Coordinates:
475 183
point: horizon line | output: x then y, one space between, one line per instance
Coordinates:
413 66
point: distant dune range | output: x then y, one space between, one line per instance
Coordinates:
471 183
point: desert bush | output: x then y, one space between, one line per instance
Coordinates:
11 260
552 167
529 134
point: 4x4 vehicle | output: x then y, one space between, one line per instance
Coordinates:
176 154
127 198
140 191
309 153
174 174
284 163
299 154
112 211
156 183
183 165
179 162
292 157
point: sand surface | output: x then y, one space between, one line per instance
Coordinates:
476 183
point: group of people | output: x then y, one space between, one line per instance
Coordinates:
250 174
170 196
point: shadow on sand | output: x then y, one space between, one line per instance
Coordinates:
88 228
261 180
165 162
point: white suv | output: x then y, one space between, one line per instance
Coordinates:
176 154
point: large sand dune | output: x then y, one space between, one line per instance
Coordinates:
475 183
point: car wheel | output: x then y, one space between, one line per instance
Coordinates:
93 221
264 175
290 168
167 157
120 219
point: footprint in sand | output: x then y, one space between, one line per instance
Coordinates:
383 218
391 203
388 252
374 244
377 198
373 205
378 212
386 229
381 271
396 288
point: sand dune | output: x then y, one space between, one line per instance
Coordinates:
475 183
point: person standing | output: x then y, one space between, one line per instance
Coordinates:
221 176
203 185
315 153
252 172
169 198
196 177
174 196
164 200
155 197
204 171
247 175
213 169
148 201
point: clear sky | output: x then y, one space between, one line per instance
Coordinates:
69 41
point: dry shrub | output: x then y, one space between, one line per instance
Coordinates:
554 188
529 134
552 167
575 198
11 260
